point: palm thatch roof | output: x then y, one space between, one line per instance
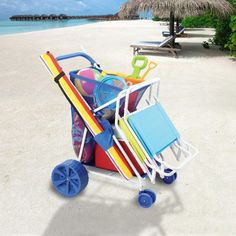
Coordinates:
180 8
128 9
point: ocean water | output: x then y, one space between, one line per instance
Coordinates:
13 27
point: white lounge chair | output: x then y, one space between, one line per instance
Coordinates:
178 33
146 47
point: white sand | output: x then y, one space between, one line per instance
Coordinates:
197 90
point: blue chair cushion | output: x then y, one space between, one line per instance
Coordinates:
154 129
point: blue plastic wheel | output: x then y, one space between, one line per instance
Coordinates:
145 200
151 193
69 178
169 179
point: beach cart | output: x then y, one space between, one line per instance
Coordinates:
118 126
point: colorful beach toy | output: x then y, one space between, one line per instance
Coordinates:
84 86
139 63
108 90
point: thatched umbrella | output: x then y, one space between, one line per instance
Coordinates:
176 8
128 9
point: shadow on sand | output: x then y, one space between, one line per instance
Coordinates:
195 50
197 35
96 215
199 29
192 50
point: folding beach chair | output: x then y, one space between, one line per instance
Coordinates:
151 134
154 129
146 47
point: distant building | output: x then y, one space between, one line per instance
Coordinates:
39 17
45 17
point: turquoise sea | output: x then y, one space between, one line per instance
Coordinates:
13 27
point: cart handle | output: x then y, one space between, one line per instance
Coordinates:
77 54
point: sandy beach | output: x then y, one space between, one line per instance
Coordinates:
197 91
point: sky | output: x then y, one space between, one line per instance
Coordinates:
69 7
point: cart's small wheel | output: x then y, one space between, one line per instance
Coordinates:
69 178
170 179
151 193
145 200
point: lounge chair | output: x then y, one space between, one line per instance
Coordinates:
146 47
179 32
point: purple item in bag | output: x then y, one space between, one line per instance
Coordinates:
78 127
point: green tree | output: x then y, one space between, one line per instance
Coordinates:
226 31
232 40
225 35
206 20
223 32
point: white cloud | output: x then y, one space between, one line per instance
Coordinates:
8 4
82 4
24 7
70 7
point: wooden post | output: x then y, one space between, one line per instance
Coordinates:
172 26
177 24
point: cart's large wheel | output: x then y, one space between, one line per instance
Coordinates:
170 179
151 193
145 199
69 178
